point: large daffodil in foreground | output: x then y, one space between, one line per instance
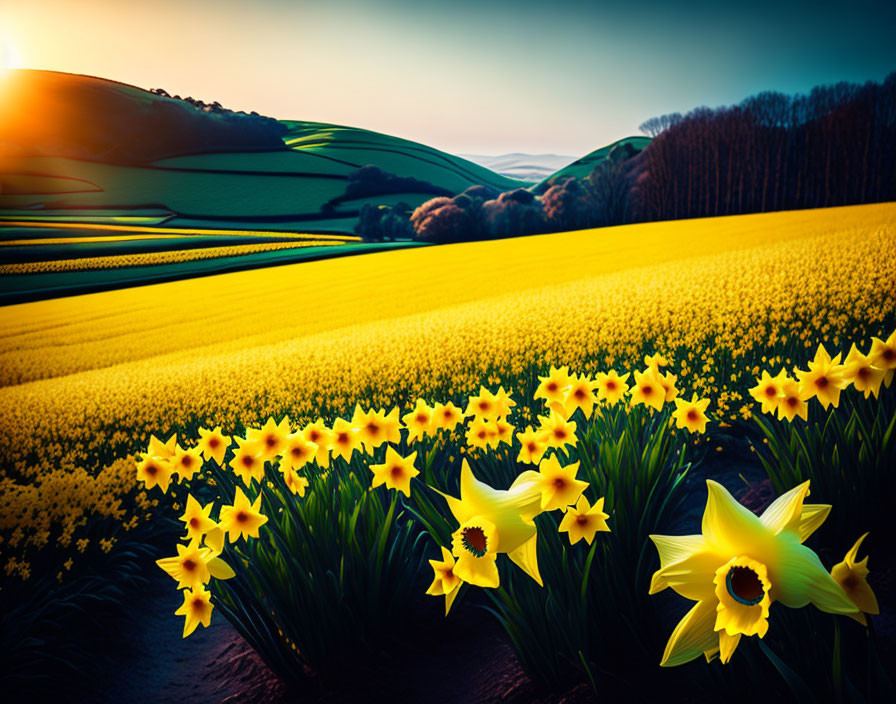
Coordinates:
494 521
738 566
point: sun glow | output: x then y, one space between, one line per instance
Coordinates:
9 55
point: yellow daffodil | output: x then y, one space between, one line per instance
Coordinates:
197 608
370 427
791 404
196 518
190 567
584 520
883 356
297 452
154 471
504 431
668 381
242 519
859 371
852 576
392 424
824 380
294 481
557 431
648 389
533 445
482 434
484 405
163 450
492 522
186 462
738 566
322 436
504 401
475 544
768 391
213 444
396 472
248 461
558 485
553 386
691 414
418 421
445 582
270 438
580 395
611 387
655 360
446 416
345 439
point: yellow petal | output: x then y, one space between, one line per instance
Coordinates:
812 517
798 578
219 569
691 577
785 511
526 559
449 598
674 548
727 644
693 636
728 526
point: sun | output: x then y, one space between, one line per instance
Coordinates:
9 55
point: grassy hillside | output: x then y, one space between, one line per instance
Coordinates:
281 188
584 166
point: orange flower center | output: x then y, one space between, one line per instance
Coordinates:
692 415
552 386
792 401
213 443
582 519
247 460
198 603
396 471
270 440
151 470
186 461
194 522
611 385
771 391
647 390
559 482
579 393
420 418
241 516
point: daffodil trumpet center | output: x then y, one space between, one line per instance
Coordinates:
744 586
474 540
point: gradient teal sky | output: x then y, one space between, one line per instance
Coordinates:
476 77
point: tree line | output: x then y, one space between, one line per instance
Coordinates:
833 146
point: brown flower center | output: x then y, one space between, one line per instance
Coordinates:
194 522
611 385
692 415
822 382
213 442
241 516
475 541
744 585
771 391
189 565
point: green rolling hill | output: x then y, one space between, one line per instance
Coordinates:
110 148
582 167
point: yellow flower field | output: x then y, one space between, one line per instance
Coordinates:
152 258
87 379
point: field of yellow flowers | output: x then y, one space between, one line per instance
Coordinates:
85 380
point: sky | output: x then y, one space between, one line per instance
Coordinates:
478 77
